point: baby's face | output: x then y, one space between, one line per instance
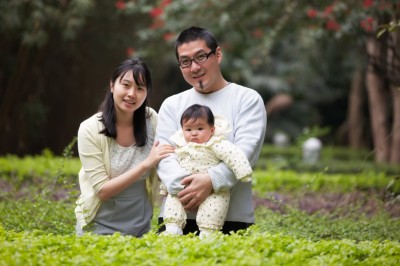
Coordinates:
198 131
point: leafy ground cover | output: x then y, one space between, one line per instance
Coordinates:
303 218
250 248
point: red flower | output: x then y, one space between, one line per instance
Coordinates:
164 3
257 33
368 3
332 25
120 4
328 10
367 24
157 24
168 36
155 12
312 13
130 51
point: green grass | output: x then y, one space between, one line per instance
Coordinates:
248 248
37 195
332 160
316 227
289 180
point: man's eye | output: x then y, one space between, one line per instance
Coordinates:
201 57
184 61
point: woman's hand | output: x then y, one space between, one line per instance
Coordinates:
157 153
116 185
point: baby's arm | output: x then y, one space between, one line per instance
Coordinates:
234 158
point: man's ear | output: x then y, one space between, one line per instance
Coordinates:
218 54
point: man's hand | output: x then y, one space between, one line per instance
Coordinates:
197 188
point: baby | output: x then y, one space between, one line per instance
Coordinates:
202 144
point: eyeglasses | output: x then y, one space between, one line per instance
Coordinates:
199 59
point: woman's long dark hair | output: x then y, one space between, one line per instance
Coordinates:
141 74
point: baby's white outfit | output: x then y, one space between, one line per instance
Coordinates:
198 158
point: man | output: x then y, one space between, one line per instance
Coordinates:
199 58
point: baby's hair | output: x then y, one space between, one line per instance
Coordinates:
197 111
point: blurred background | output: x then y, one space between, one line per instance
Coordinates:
326 69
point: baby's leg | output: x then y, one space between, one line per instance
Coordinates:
174 216
212 213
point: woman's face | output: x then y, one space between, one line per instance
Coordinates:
128 96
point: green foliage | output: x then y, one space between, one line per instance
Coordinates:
45 165
250 248
356 227
281 180
34 21
389 27
332 160
37 225
50 216
312 132
39 189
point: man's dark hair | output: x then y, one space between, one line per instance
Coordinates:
195 33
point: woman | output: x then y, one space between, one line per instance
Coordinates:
117 151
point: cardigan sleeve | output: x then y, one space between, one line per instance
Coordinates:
92 153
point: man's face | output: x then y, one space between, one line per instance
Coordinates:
205 76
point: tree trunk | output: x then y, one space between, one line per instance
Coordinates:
395 147
393 62
355 116
11 93
377 98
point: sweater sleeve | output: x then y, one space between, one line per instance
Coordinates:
249 127
168 169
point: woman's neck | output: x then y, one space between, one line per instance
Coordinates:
124 120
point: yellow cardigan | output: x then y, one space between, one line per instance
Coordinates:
96 154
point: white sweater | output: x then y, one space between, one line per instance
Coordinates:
245 111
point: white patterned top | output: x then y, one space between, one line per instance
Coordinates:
125 158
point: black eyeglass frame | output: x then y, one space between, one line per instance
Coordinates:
197 62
